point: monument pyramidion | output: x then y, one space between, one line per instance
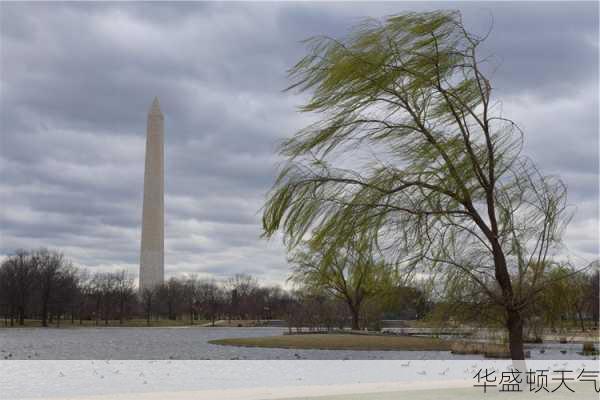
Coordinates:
152 257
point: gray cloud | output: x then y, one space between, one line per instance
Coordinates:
77 80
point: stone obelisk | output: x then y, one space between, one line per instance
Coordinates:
152 249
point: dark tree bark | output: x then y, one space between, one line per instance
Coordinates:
514 325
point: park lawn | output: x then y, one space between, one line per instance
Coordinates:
340 342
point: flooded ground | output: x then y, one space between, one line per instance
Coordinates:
192 344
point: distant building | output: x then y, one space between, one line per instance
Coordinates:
152 254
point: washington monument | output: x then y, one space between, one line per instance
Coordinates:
152 256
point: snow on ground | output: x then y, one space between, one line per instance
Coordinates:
251 380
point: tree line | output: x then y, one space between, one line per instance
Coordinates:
44 285
369 288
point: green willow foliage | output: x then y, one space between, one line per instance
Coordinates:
446 186
350 274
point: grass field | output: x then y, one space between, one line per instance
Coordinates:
340 342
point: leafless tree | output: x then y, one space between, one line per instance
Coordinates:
148 300
19 272
211 299
170 295
190 296
124 292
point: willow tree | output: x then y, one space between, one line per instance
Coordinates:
412 154
351 274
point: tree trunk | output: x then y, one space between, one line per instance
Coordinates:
355 322
46 294
514 324
354 311
97 316
514 321
581 320
44 312
121 309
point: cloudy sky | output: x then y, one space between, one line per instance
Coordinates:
77 81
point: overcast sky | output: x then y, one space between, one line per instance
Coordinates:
77 81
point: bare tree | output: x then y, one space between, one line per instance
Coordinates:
7 293
19 272
212 299
170 294
102 293
148 299
190 296
241 287
51 265
125 293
